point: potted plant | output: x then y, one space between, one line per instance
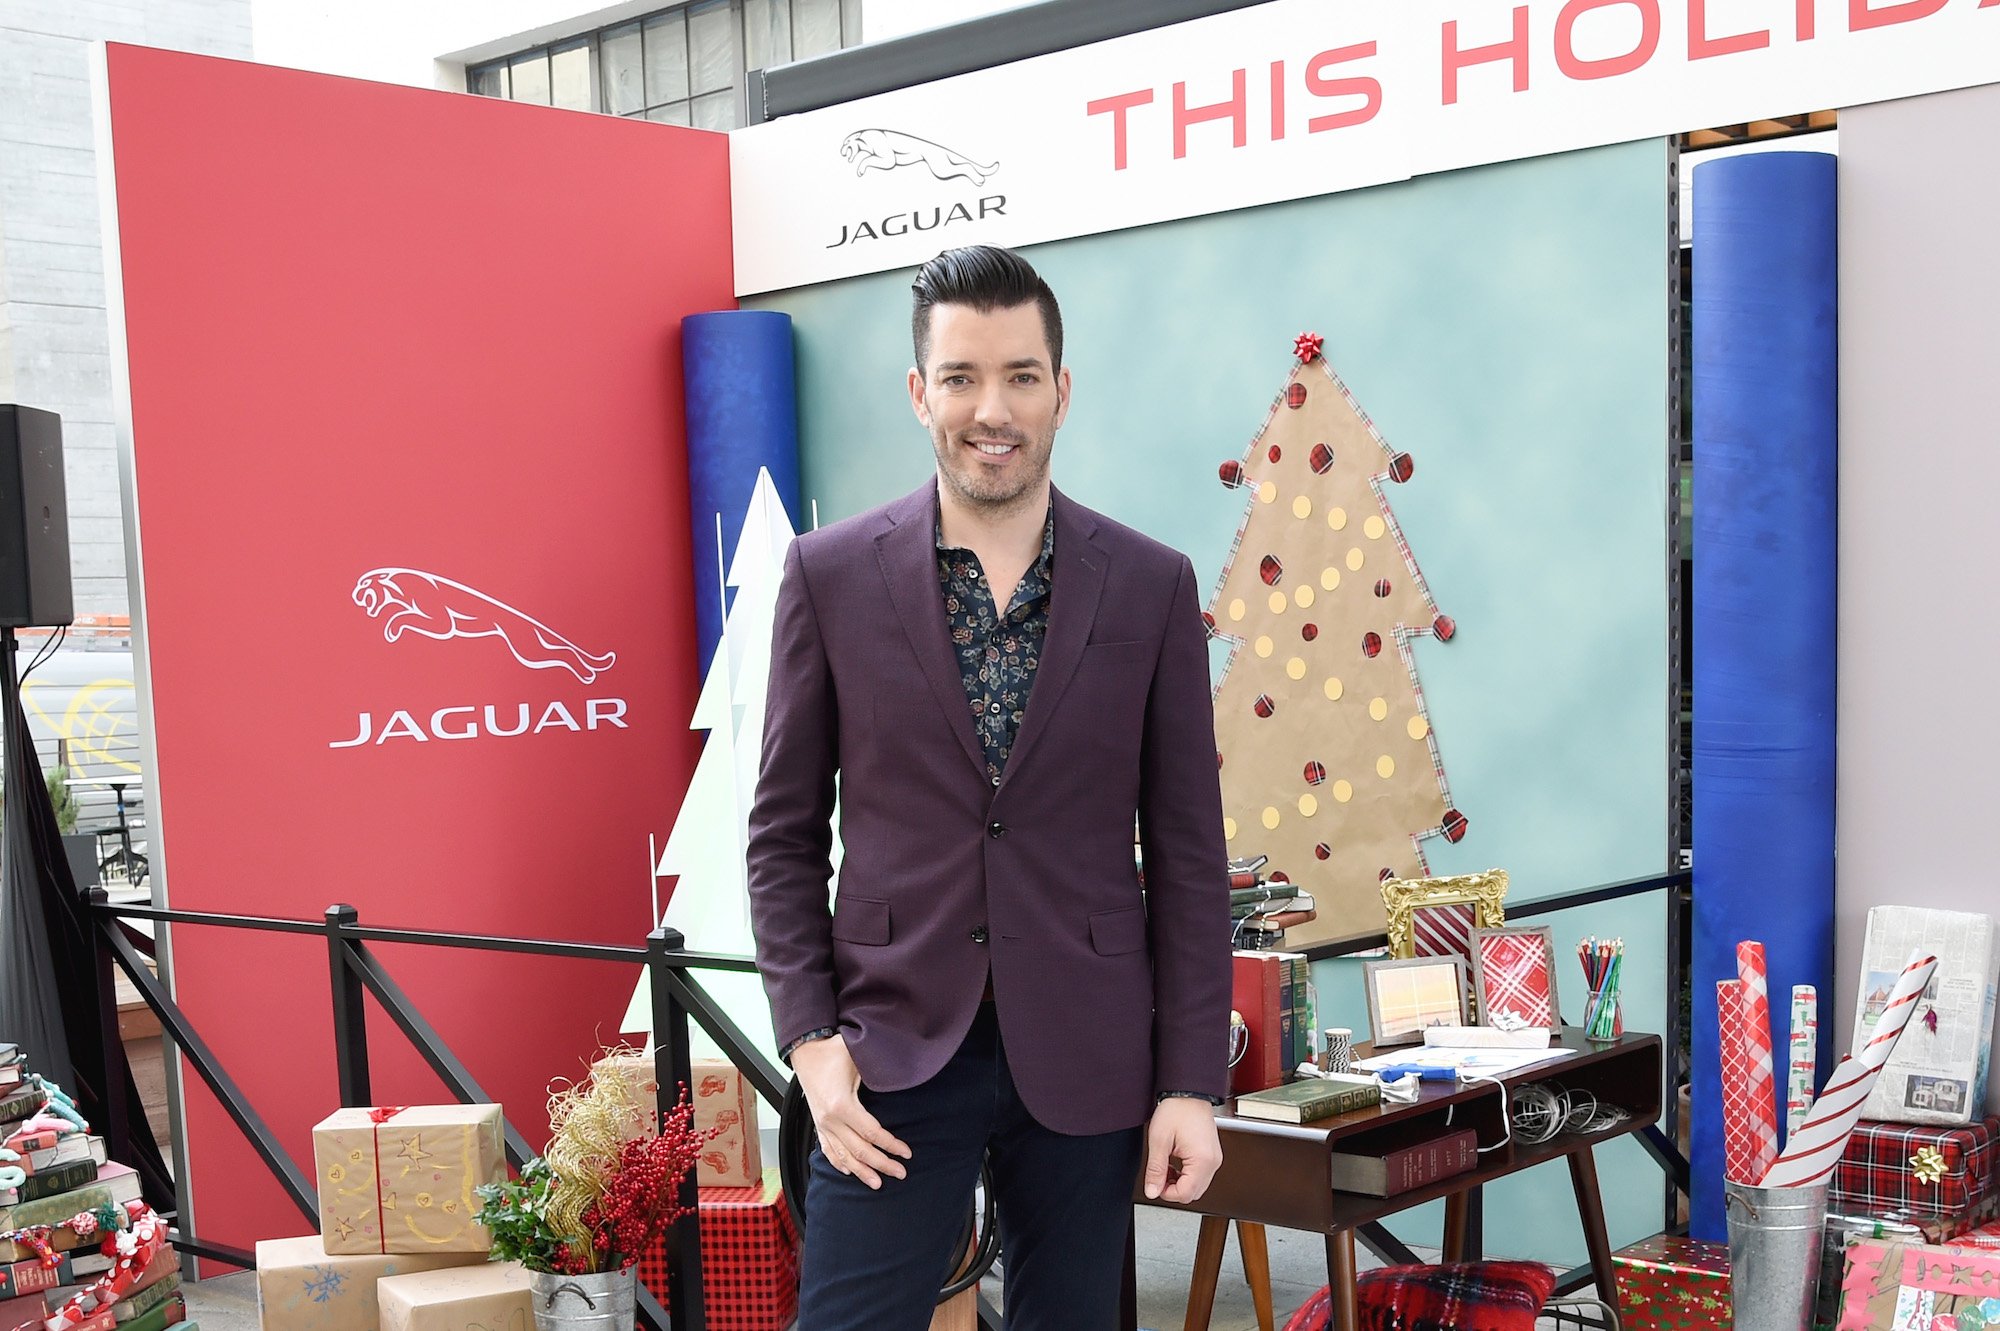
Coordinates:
603 1193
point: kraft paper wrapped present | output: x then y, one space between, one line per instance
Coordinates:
1667 1283
402 1179
1894 1286
749 1258
722 1098
493 1296
1900 1226
1901 1167
303 1287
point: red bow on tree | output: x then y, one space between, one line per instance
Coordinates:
1306 347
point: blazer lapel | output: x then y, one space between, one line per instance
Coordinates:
1075 586
908 553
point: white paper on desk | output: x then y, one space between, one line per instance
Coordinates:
1478 1062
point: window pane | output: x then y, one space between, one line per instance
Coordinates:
666 59
623 67
569 76
816 27
487 81
850 22
715 111
767 33
677 114
711 48
530 75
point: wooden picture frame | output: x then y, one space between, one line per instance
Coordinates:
1507 977
1407 994
1405 900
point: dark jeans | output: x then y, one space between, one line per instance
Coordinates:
875 1261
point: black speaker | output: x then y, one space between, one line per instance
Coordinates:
34 521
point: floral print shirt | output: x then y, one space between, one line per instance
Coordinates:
997 652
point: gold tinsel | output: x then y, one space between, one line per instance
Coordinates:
588 1122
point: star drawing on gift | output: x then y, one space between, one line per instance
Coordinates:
413 1150
324 1283
345 1226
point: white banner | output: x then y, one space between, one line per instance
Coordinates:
1298 98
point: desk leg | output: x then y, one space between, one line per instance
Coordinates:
1456 1208
1590 1210
1207 1270
1340 1275
1256 1270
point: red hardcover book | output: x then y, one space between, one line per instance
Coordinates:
1395 1161
19 1279
1256 981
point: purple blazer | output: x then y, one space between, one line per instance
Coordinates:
1105 995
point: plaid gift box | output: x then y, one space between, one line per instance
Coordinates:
1916 1169
749 1258
1986 1237
1667 1283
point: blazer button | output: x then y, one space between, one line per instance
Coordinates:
996 830
979 933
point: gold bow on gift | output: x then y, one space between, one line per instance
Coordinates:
1928 1165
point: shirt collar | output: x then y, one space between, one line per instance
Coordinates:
1043 561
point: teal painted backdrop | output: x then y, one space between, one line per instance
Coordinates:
1508 327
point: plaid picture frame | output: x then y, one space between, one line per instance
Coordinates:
1878 1171
749 1258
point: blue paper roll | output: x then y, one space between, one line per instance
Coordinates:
1764 378
742 414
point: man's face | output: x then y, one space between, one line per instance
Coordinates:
992 402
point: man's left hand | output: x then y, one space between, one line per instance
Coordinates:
1182 1150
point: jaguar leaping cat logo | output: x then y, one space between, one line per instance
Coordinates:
440 608
886 149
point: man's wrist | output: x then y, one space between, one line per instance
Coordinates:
821 1033
1215 1100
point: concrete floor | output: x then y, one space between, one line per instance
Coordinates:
1166 1255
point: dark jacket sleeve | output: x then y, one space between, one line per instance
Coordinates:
791 829
1180 834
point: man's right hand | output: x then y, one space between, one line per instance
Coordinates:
851 1138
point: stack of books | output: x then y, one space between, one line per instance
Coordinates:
66 1206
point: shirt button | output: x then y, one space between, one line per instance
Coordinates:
994 708
996 830
996 780
979 933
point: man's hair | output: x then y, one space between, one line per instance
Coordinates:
987 278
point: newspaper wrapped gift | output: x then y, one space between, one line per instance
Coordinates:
1938 1071
1889 1285
492 1296
1844 1229
303 1287
1667 1283
1941 1171
749 1258
722 1098
401 1179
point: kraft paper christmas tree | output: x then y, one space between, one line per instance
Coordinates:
707 847
1329 763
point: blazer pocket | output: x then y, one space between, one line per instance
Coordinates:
1113 932
1106 651
860 920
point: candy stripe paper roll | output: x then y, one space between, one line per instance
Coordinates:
1804 1054
1760 1065
1816 1147
1739 1141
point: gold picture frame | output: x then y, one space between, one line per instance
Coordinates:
1402 898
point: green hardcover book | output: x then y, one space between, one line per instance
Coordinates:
49 1182
1288 1035
162 1315
134 1306
1301 1023
55 1209
20 1105
1310 1099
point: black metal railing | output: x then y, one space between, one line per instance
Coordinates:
354 971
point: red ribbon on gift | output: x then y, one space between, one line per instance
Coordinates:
377 1116
1306 347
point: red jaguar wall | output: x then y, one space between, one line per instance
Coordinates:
412 535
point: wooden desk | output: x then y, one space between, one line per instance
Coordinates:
1277 1173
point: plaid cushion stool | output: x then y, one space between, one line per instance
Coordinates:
1462 1296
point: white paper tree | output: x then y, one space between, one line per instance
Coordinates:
707 847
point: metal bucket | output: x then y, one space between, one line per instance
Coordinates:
1774 1251
608 1301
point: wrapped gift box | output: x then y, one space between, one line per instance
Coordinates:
1986 1237
492 1296
401 1180
1667 1283
1880 1170
749 1258
722 1098
303 1287
1901 1226
1937 1072
1890 1285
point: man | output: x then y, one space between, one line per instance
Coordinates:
1003 680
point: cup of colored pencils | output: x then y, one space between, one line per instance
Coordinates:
1603 959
